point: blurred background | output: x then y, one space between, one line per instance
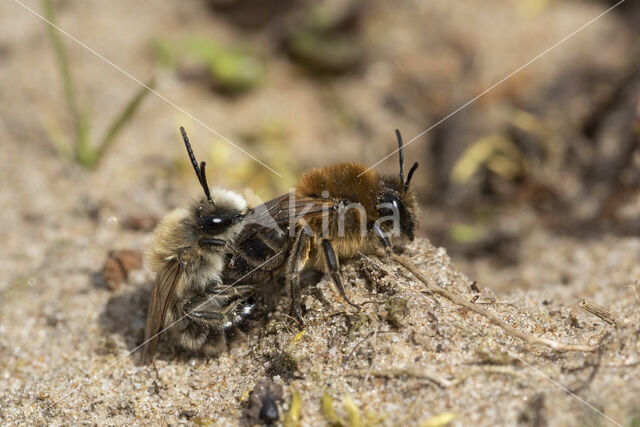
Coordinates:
545 162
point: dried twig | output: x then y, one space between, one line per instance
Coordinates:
600 312
410 372
459 300
437 379
373 358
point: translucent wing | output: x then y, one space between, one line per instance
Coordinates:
276 215
163 290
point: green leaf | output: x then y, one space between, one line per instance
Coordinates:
121 120
353 413
441 420
165 53
63 64
233 68
60 141
292 418
85 153
329 411
466 233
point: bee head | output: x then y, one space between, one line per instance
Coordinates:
399 207
396 199
216 219
215 213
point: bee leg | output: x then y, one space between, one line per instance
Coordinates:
295 264
204 315
211 242
331 260
294 289
384 239
202 312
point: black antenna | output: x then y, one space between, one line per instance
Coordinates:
411 171
190 152
401 155
205 186
199 170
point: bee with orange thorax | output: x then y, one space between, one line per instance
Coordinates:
334 213
188 257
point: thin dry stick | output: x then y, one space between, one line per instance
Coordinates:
415 373
373 358
457 299
437 379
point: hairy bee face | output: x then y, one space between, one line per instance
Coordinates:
213 221
390 205
218 220
401 206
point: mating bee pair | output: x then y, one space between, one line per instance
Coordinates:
213 260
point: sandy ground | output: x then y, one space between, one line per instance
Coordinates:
65 349
65 338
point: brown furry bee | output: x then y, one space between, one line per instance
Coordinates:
212 261
334 213
188 257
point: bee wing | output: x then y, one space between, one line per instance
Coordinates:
280 212
163 290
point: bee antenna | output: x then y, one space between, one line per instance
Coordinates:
203 181
187 144
199 173
411 171
401 156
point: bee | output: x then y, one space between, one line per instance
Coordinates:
334 213
188 257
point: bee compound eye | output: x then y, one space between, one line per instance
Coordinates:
213 224
217 221
389 205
